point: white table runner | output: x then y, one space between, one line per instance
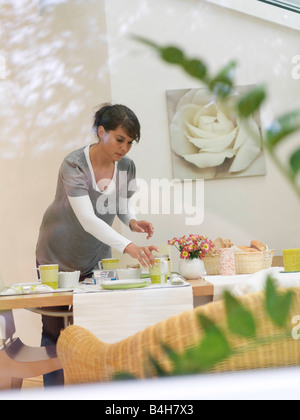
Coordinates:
114 315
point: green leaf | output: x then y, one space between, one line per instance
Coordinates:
250 102
183 363
159 369
222 90
146 42
282 127
222 84
240 321
227 74
172 55
278 306
123 376
214 347
195 68
295 162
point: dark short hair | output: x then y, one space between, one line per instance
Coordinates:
113 116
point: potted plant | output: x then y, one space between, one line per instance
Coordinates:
193 249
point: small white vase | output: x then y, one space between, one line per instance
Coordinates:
192 269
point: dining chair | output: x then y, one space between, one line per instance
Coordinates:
86 359
19 361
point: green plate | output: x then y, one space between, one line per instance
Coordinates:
124 284
288 272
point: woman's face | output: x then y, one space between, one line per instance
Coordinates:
115 143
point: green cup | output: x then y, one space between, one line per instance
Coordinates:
109 264
159 273
291 260
49 275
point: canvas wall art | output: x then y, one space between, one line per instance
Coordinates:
208 141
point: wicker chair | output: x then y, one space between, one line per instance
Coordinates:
85 359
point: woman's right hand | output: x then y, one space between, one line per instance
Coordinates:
143 254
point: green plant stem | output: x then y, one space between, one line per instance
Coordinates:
274 157
283 170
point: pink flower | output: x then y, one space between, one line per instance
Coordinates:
182 241
206 246
185 255
172 242
193 246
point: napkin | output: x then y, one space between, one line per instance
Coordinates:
257 281
114 315
251 283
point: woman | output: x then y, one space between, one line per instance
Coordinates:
95 184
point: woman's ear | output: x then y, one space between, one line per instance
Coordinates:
101 132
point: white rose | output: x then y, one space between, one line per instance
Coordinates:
205 135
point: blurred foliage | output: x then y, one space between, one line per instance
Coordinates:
215 346
222 86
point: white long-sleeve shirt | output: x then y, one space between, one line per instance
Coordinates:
76 229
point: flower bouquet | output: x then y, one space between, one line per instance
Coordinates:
193 249
193 246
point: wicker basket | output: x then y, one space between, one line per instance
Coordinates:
246 262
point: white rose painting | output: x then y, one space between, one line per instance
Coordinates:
209 141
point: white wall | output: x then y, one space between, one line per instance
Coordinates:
57 73
261 208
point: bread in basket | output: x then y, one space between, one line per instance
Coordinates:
248 259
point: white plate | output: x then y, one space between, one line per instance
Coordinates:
22 289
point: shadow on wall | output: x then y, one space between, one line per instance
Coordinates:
56 73
56 63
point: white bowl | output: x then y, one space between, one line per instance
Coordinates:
129 273
68 280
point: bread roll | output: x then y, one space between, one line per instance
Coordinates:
258 246
247 249
237 249
228 243
219 244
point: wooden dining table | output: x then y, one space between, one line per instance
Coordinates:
201 288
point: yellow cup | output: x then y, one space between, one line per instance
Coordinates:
110 264
49 275
291 259
159 273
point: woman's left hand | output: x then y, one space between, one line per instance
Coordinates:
142 226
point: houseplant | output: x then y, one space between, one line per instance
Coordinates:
193 249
